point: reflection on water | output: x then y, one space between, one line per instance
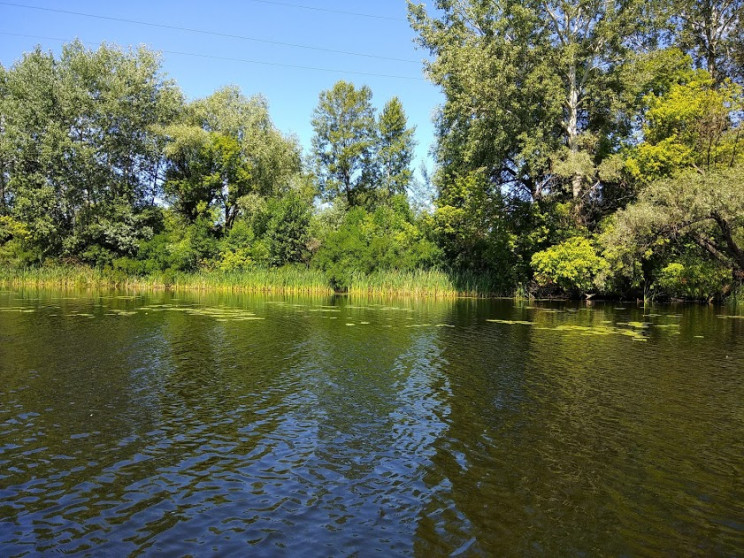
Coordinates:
215 424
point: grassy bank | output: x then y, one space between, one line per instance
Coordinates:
286 280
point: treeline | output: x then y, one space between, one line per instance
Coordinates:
583 147
102 162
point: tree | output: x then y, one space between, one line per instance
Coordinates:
693 125
712 32
531 89
365 242
684 222
469 225
225 148
344 142
394 149
702 208
4 147
573 265
79 147
287 229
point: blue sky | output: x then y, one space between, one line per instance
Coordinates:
292 92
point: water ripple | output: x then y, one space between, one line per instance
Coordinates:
129 427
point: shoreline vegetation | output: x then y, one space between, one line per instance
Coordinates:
296 280
285 280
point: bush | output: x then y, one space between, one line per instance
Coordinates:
700 280
573 265
380 241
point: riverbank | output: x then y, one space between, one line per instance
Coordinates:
284 280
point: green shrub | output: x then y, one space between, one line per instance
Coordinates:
573 265
698 280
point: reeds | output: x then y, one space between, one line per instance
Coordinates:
283 280
423 283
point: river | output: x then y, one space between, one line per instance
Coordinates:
221 424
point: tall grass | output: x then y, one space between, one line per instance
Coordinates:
53 276
285 280
425 283
280 280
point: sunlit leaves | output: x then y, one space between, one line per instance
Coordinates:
574 265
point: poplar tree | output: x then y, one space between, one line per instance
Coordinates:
712 31
344 142
530 87
394 149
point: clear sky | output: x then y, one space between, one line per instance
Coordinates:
379 30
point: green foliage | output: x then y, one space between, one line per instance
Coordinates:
272 232
695 280
563 122
79 148
699 211
240 249
225 148
472 227
358 157
692 125
573 265
11 228
14 246
533 90
287 231
343 144
711 31
394 150
385 239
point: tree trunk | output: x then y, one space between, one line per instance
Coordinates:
737 253
572 127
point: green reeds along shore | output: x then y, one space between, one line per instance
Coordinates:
285 280
281 280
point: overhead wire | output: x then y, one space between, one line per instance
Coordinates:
242 60
213 33
327 10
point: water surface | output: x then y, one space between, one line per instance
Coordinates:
224 424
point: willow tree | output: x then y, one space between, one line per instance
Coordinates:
224 149
705 210
80 157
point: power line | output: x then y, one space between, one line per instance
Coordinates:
213 33
241 60
327 10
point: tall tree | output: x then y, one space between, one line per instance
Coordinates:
712 31
394 149
344 141
4 146
226 148
82 157
530 88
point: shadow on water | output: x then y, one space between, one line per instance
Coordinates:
163 423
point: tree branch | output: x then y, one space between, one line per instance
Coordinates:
728 237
